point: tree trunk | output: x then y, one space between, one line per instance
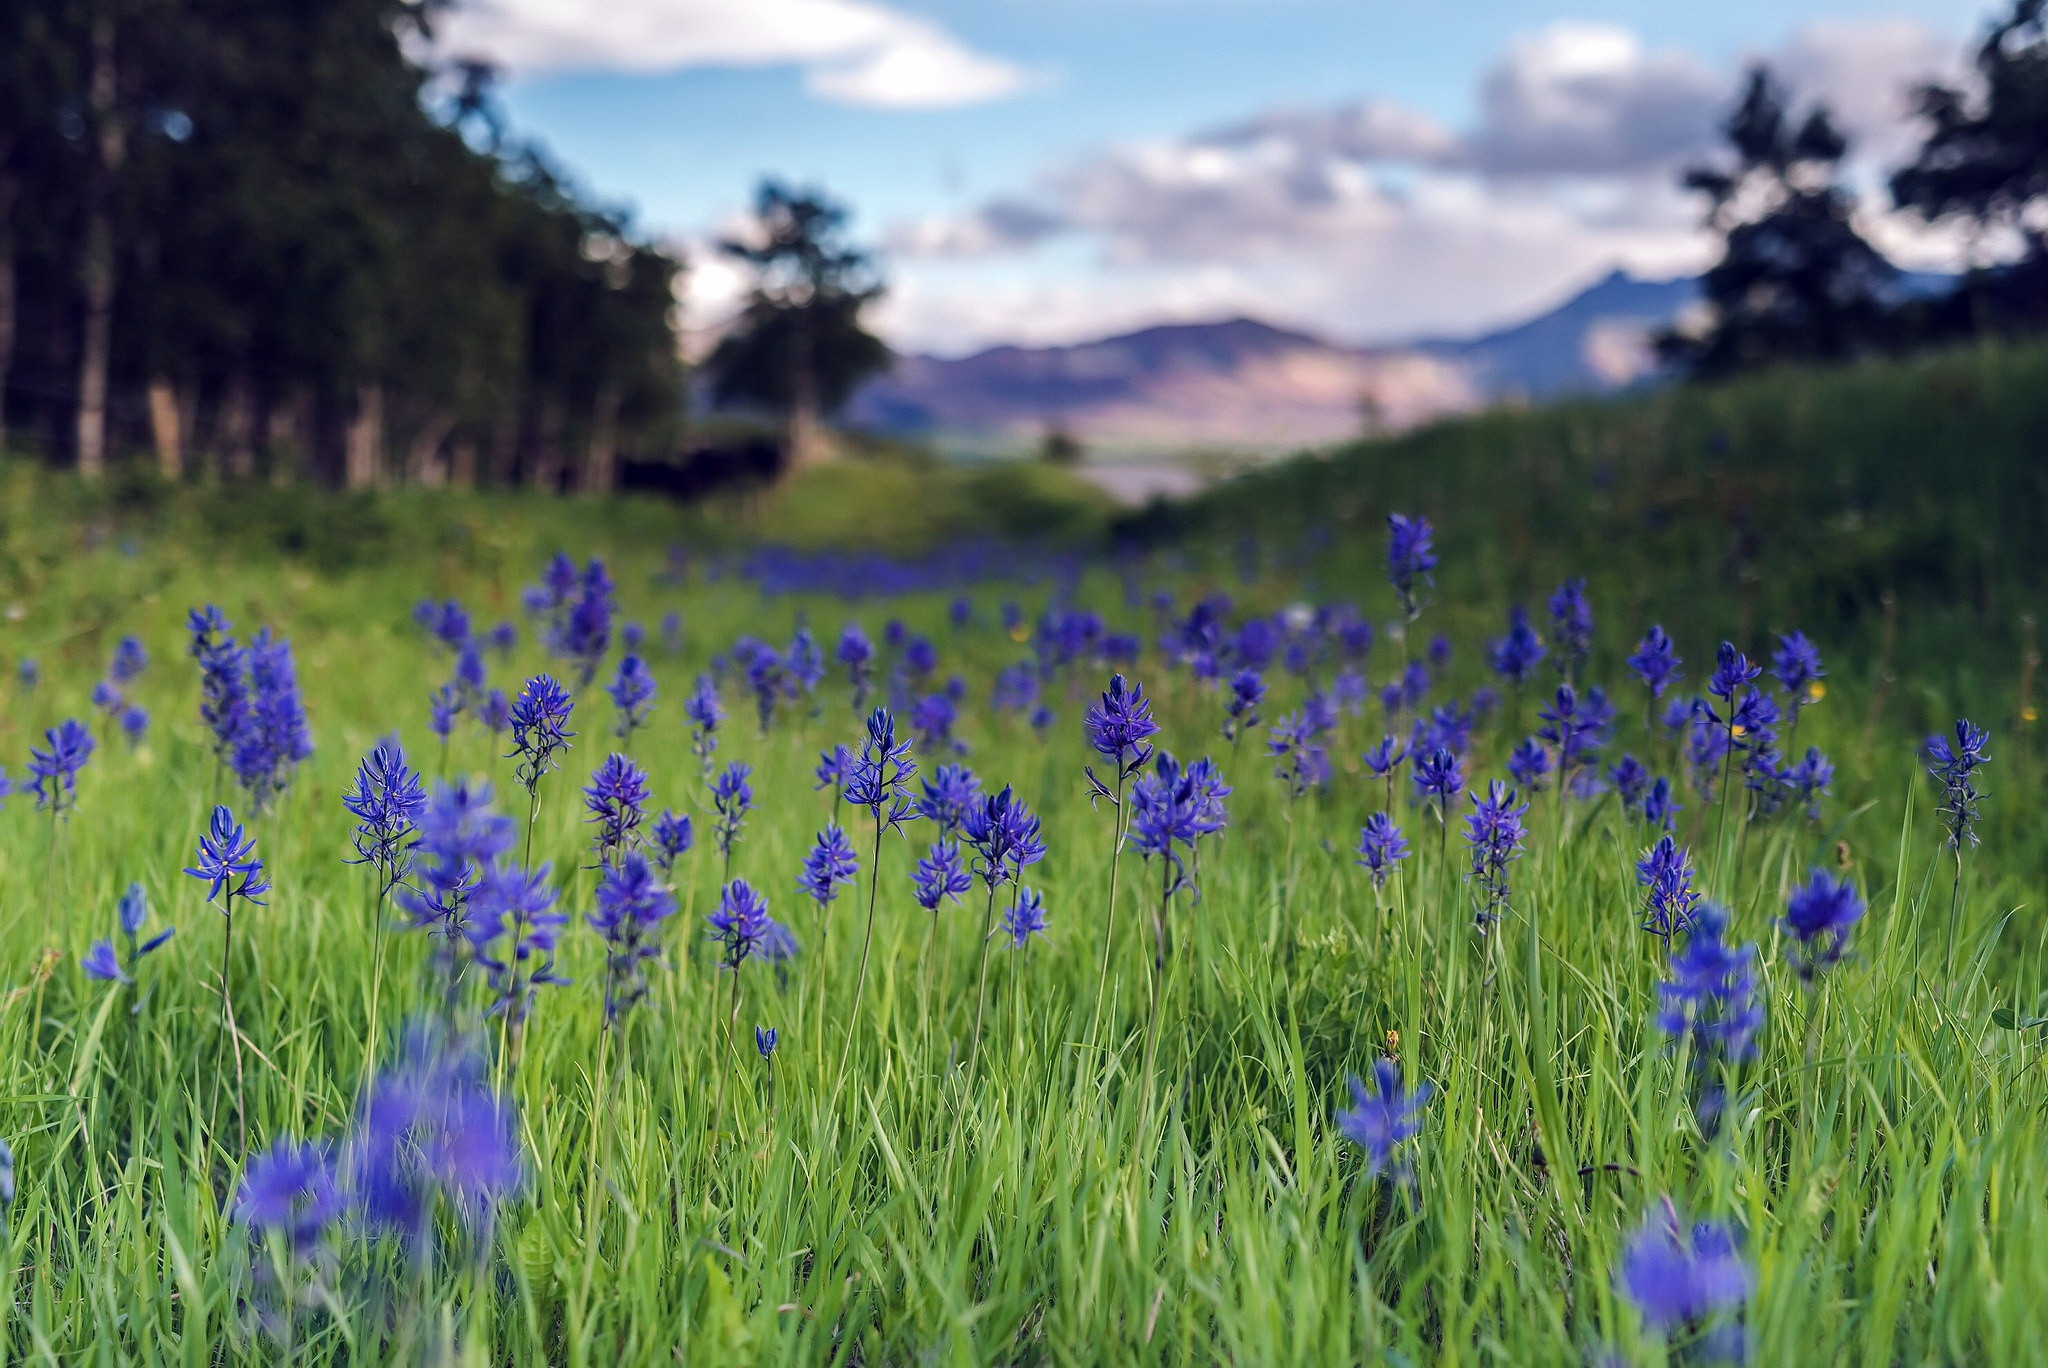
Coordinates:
363 458
805 435
462 463
288 438
237 427
504 470
110 145
805 439
166 429
547 456
7 285
423 463
601 465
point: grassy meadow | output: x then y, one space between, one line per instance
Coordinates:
1066 1196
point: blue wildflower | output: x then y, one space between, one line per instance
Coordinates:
289 1191
1529 763
1381 847
1955 765
948 794
444 705
460 836
386 802
1671 900
1571 627
880 776
273 738
1656 661
102 964
1005 836
1294 741
227 862
1819 915
632 691
1660 807
804 663
434 1151
741 924
513 929
1025 917
1515 656
54 767
1439 778
673 837
1676 1278
857 654
1810 779
1119 728
1382 1120
932 718
705 712
941 874
616 800
631 906
733 798
1711 994
1495 833
1796 663
540 729
830 864
1410 559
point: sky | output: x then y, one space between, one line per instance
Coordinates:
1047 171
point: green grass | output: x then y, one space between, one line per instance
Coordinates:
1886 1166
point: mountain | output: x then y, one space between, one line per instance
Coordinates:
1244 385
1599 339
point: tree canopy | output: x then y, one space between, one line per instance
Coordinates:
1984 162
1795 281
275 241
799 349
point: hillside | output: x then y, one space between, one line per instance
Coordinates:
1808 496
1242 384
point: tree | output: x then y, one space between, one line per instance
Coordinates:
1986 161
1795 281
239 228
799 349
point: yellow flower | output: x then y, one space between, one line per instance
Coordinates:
2030 714
1815 691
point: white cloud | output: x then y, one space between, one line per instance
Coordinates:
1587 99
852 51
1374 221
1866 73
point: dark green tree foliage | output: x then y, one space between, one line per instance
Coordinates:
1985 161
799 349
320 267
1795 281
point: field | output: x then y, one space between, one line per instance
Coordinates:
1152 1173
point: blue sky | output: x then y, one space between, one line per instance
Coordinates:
1044 170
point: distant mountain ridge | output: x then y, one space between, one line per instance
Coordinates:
1245 385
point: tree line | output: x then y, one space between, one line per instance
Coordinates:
260 236
1797 281
262 239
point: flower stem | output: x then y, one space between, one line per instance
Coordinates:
1109 921
867 941
988 919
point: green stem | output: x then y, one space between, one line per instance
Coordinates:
867 941
988 919
1109 922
